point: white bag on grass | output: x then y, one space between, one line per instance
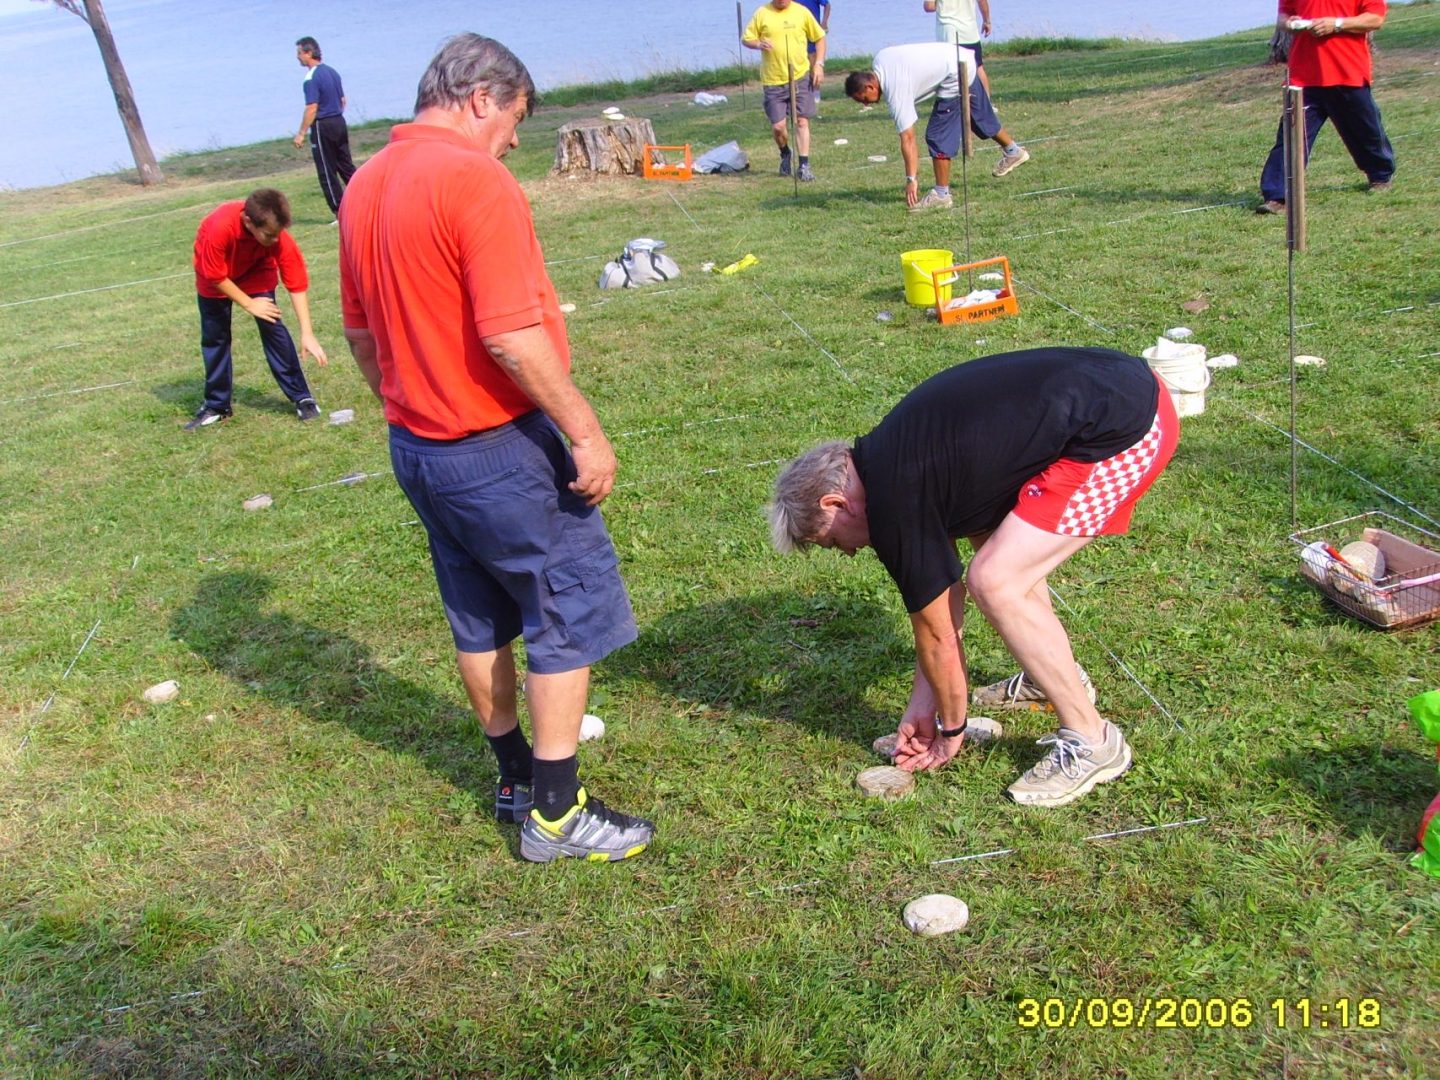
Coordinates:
641 263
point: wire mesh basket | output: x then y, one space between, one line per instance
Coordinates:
1392 584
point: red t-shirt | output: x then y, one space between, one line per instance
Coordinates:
1341 60
437 251
224 248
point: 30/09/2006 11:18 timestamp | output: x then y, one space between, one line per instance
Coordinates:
1188 1012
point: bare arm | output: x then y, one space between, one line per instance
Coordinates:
941 691
529 358
362 348
305 121
911 157
1351 24
261 307
308 342
984 6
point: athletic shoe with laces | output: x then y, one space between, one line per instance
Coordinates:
1271 206
588 830
1009 162
513 800
207 416
784 164
1018 692
933 200
1072 767
805 174
306 409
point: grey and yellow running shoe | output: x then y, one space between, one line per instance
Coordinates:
588 830
1071 768
1018 692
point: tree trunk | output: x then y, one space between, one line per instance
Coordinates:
602 146
145 161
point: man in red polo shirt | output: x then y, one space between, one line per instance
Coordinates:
454 323
1330 59
241 251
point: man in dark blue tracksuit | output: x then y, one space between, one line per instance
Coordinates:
324 119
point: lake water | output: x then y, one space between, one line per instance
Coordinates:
213 73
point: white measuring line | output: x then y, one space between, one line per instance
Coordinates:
102 288
1043 191
998 852
103 225
681 426
838 366
703 472
582 258
1067 307
1126 221
688 218
1343 468
128 1008
64 393
353 478
1120 663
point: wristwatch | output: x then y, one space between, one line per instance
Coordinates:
1339 22
909 180
950 733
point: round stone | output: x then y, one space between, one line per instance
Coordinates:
936 914
258 502
981 729
885 782
162 692
591 727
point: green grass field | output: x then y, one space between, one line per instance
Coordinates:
290 871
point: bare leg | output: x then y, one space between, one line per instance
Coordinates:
802 135
942 171
782 140
1007 579
1003 138
489 679
556 704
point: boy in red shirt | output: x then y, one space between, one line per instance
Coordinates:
1330 59
241 251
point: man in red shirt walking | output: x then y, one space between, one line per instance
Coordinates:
1330 59
455 325
241 251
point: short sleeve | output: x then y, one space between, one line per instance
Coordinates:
500 260
291 262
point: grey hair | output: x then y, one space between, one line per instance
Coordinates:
795 514
469 62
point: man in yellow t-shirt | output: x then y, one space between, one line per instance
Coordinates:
781 32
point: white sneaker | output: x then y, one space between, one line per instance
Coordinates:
1010 161
1019 692
1072 767
933 200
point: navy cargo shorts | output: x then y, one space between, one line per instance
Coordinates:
516 552
942 132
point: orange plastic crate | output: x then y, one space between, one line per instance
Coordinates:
957 311
659 170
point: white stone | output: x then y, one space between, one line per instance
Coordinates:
842 142
1224 360
566 309
877 158
1179 333
342 416
885 782
162 692
258 502
936 914
980 729
884 316
591 727
1310 361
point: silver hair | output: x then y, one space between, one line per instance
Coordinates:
795 514
469 62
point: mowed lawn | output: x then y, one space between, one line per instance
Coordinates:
291 870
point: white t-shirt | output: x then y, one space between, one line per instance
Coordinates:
913 73
957 20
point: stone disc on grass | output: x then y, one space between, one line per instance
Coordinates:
885 782
162 692
936 914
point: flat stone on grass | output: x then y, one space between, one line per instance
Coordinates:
978 729
885 782
936 914
258 502
162 692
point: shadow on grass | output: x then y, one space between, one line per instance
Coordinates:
332 679
189 394
1367 790
808 659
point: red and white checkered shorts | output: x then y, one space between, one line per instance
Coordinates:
1082 498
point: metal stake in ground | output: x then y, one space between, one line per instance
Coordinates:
740 49
794 124
1293 125
966 149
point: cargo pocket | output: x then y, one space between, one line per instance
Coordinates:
587 598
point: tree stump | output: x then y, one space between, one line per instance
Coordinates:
613 147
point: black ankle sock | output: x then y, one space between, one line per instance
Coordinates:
557 784
513 754
784 151
804 159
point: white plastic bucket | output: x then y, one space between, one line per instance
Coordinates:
1185 375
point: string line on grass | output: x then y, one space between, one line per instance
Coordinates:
1126 221
1120 663
677 427
103 225
102 288
805 333
1118 834
353 478
64 393
1067 307
128 1008
1339 465
688 218
51 699
582 258
703 472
